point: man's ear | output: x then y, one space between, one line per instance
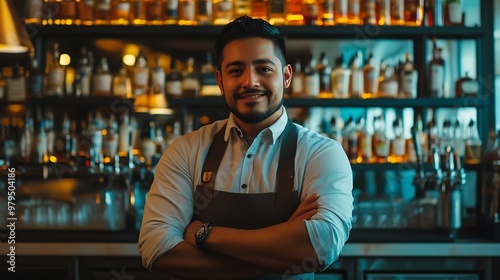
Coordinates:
287 75
218 75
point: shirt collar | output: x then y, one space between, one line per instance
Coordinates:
275 129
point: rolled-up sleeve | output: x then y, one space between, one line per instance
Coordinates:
169 205
328 173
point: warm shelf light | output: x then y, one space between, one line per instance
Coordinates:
13 36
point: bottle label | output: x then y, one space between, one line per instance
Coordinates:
172 5
366 146
399 146
311 85
174 88
437 72
102 84
186 10
410 84
341 7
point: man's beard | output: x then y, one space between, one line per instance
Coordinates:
255 117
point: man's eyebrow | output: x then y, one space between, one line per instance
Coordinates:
257 61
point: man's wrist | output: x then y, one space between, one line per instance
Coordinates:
201 234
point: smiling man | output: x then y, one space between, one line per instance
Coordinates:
254 196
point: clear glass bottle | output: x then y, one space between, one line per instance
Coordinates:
453 13
409 78
398 152
388 83
353 12
187 12
297 88
84 73
356 86
173 81
110 138
384 12
324 72
340 77
223 11
365 147
436 73
122 84
54 74
140 75
147 145
102 79
208 79
370 77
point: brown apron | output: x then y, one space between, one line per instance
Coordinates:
249 211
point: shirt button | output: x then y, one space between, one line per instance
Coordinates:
244 186
249 155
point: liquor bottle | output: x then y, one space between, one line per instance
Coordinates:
49 130
102 79
137 12
3 88
370 78
172 14
50 9
356 86
365 148
473 144
27 141
367 12
260 9
311 78
86 12
84 73
459 142
466 86
110 138
340 77
121 12
116 206
341 12
95 133
446 136
422 136
155 11
41 144
54 74
122 84
209 84
62 141
147 145
173 81
414 12
436 73
380 141
353 12
242 8
124 135
67 12
204 12
388 83
453 13
310 12
409 79
350 135
158 78
102 11
190 81
33 11
397 12
186 12
336 127
384 12
435 13
397 151
223 11
16 85
140 75
294 14
297 80
324 72
327 11
277 12
35 78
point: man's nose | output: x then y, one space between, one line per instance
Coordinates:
250 79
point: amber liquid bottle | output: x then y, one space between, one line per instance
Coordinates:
155 12
294 13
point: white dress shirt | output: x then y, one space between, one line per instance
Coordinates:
321 166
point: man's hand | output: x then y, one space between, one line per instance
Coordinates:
306 209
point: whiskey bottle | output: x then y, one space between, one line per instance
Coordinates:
367 13
242 8
204 12
388 83
327 12
41 144
110 138
365 147
186 12
409 79
67 12
209 84
147 145
223 11
190 81
137 12
260 9
173 81
371 77
16 85
356 86
102 11
55 74
158 78
383 14
324 71
340 12
340 77
311 78
353 12
310 12
473 144
122 84
155 11
172 14
398 143
49 11
436 73
351 135
124 135
277 12
86 12
294 15
397 12
140 76
27 142
102 79
297 89
414 12
33 11
62 142
380 141
121 13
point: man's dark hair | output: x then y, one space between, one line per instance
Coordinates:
248 27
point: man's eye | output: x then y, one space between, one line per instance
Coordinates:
265 69
234 71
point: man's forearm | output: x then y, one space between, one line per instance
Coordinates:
185 261
280 248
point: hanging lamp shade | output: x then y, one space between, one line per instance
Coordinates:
13 36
